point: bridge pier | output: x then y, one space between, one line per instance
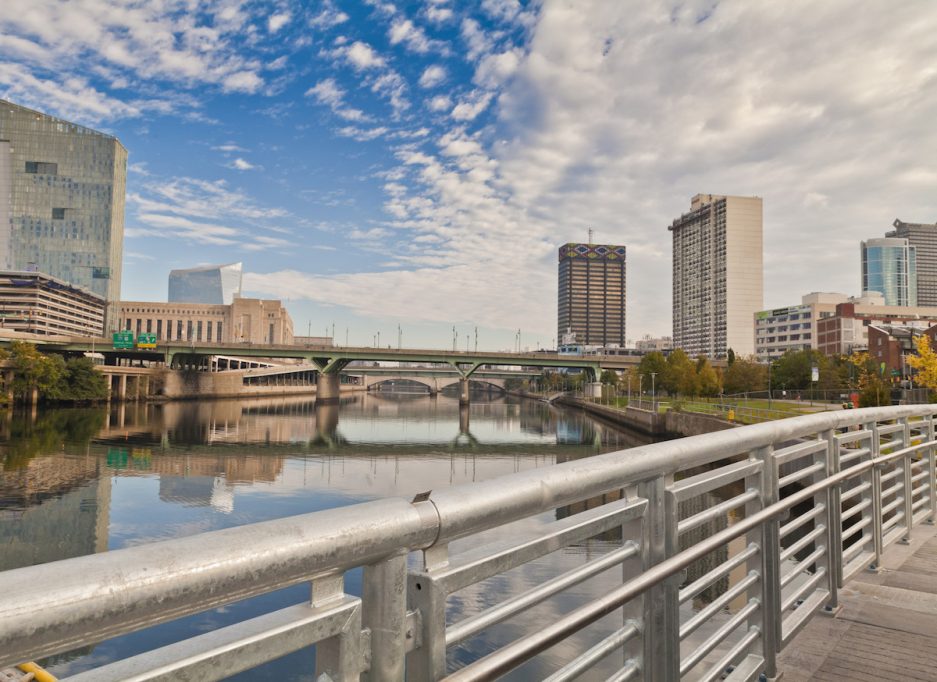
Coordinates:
463 418
593 389
328 388
464 391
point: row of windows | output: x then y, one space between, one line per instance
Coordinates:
42 168
185 330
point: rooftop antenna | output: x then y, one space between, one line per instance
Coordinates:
590 235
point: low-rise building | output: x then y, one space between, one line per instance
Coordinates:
37 303
648 344
245 320
891 344
847 330
793 328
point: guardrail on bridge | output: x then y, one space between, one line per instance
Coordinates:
863 478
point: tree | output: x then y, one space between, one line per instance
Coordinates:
745 376
680 377
654 362
79 382
730 357
609 377
33 370
925 362
868 380
708 380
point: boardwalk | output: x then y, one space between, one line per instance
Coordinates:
887 629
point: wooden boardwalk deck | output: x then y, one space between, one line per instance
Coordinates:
887 629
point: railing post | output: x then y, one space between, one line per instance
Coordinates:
877 539
427 661
834 532
907 484
661 602
384 612
770 557
339 658
932 469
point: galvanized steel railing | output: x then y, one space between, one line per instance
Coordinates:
813 500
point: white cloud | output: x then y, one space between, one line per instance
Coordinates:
362 56
415 38
439 103
476 40
328 92
471 106
241 164
229 147
362 134
432 76
438 15
242 81
494 69
277 21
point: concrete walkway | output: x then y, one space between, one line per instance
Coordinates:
887 629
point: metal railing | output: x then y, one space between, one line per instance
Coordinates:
812 500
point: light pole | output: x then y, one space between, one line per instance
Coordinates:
379 339
399 337
629 388
346 337
769 382
653 391
454 338
476 339
640 387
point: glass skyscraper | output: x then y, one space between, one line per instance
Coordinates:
62 189
889 266
591 300
216 284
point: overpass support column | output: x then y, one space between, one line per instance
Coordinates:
593 389
122 388
464 391
328 387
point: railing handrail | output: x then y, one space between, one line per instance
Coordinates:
54 607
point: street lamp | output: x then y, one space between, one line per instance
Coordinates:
653 391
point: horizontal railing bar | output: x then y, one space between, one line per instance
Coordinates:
808 585
718 670
855 509
851 552
853 436
792 452
477 564
708 481
802 519
847 456
464 629
897 502
852 530
855 490
885 429
718 572
790 551
885 478
585 661
59 606
717 511
917 504
801 473
221 653
904 452
716 638
704 614
795 621
920 477
893 521
627 673
800 567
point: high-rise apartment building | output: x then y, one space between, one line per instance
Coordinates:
923 237
889 266
717 275
215 284
62 190
591 297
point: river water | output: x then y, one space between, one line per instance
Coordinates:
77 481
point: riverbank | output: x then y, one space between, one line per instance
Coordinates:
669 423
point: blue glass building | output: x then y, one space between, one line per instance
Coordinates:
889 266
215 284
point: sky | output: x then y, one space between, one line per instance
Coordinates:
410 168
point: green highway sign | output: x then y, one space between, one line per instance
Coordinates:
123 340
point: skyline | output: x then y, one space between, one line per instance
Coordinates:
375 164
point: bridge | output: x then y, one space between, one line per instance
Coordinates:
435 379
817 505
330 361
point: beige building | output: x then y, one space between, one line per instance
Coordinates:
717 275
795 327
847 329
36 303
245 320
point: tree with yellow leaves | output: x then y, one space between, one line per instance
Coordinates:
925 362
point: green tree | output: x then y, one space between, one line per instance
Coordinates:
79 382
680 377
708 380
609 377
33 370
745 376
868 380
654 362
730 357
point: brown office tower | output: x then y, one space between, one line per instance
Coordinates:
591 300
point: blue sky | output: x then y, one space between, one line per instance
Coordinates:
418 163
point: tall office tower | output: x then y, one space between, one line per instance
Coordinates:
889 266
923 237
591 297
217 284
717 275
62 191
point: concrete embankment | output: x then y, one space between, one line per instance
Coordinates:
654 424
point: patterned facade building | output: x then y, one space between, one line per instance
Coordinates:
923 237
62 189
592 292
717 275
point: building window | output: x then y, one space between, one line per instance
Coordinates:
159 329
198 331
149 326
188 330
208 331
179 336
128 324
139 325
41 168
58 214
270 339
219 337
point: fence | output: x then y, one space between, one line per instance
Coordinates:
859 480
